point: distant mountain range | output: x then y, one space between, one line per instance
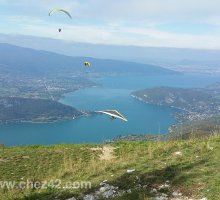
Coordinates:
156 55
36 62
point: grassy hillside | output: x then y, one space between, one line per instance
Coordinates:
190 167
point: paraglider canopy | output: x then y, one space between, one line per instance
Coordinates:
59 10
87 64
113 114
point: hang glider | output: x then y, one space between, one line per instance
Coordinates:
113 114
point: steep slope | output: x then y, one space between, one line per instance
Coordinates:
133 171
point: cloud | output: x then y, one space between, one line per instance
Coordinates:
124 22
121 36
148 10
126 10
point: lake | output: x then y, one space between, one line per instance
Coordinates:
112 92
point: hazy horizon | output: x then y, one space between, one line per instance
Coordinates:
156 23
155 55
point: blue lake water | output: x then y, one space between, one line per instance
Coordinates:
113 92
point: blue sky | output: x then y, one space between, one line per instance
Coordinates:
157 23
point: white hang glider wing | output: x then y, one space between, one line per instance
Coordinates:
113 113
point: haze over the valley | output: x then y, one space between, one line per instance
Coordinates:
179 59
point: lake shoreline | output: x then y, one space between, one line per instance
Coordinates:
111 93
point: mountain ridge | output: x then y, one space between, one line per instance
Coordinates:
19 57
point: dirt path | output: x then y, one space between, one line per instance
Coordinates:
107 152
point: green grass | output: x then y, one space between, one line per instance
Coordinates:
195 174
